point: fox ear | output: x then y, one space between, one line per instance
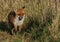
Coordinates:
15 10
23 7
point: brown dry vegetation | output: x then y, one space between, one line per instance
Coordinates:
42 20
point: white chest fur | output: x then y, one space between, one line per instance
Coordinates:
18 22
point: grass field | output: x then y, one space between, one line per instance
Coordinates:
42 20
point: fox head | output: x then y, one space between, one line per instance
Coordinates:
21 12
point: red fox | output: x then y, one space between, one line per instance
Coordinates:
16 19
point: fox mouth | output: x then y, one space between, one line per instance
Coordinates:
20 18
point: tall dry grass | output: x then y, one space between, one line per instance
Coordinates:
42 18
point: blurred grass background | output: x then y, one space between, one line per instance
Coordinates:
42 20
